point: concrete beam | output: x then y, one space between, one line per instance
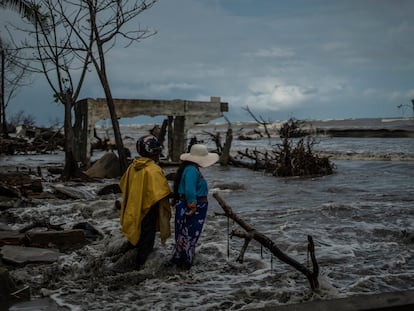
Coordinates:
200 111
89 111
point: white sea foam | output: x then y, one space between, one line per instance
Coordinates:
360 218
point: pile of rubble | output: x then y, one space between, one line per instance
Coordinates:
39 241
29 140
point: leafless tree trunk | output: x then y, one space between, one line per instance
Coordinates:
106 23
225 153
71 168
3 128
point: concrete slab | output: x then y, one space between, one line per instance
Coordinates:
37 305
398 301
24 255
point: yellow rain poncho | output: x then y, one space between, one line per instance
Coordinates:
143 185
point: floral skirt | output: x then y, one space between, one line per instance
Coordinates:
187 231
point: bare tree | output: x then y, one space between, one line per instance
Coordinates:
76 35
55 55
3 128
108 21
25 9
99 26
14 77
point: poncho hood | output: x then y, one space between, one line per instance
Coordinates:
141 162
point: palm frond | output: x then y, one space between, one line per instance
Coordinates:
26 9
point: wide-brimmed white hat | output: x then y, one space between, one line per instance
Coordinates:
200 155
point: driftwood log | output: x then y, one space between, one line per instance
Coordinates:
251 233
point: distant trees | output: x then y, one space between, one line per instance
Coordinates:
20 117
403 106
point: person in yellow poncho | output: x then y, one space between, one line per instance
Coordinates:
145 206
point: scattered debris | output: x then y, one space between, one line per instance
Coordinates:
11 292
32 140
19 184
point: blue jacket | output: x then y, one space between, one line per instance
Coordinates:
192 184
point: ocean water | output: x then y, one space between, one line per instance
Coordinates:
361 219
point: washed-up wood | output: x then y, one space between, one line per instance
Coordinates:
11 238
19 184
21 294
251 233
9 291
9 191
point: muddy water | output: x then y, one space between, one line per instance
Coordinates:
361 219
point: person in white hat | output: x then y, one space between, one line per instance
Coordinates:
190 196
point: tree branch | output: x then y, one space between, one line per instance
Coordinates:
251 233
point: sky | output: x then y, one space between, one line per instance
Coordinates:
303 59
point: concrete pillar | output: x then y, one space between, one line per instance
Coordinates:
179 138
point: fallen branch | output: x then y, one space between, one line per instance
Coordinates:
251 233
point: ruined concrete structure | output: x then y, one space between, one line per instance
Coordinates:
182 115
